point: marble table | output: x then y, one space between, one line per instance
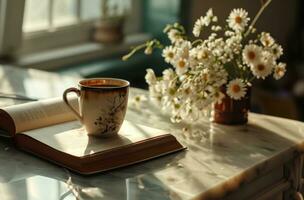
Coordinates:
260 160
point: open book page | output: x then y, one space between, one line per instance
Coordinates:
40 113
72 139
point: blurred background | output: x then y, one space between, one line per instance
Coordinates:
88 38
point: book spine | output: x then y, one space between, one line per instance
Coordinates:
7 124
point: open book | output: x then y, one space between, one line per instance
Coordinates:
49 130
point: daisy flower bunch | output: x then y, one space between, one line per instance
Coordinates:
199 70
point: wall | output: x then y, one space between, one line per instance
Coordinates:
279 18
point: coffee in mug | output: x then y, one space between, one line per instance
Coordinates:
102 104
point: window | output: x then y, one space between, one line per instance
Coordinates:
49 34
52 14
49 24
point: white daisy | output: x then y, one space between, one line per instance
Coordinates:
203 21
174 35
183 49
168 74
186 91
268 56
236 89
198 26
181 66
205 76
279 71
219 96
168 53
252 54
209 13
238 19
209 18
203 54
168 93
266 39
277 50
150 77
262 69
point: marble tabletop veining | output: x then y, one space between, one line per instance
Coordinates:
218 158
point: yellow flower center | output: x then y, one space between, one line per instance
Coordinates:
205 77
187 91
236 88
261 67
279 71
202 55
170 54
251 55
267 42
171 91
181 63
238 20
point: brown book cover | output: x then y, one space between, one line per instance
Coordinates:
63 141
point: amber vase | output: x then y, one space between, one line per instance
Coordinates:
230 111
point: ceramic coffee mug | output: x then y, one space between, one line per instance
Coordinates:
102 104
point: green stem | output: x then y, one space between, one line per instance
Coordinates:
238 69
251 79
133 51
149 44
257 17
197 41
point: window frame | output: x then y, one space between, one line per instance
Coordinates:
59 37
33 51
11 19
82 32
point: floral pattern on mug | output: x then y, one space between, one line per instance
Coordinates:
107 121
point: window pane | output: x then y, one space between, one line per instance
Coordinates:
36 15
90 9
119 7
64 12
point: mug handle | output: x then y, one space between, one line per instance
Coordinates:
66 101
